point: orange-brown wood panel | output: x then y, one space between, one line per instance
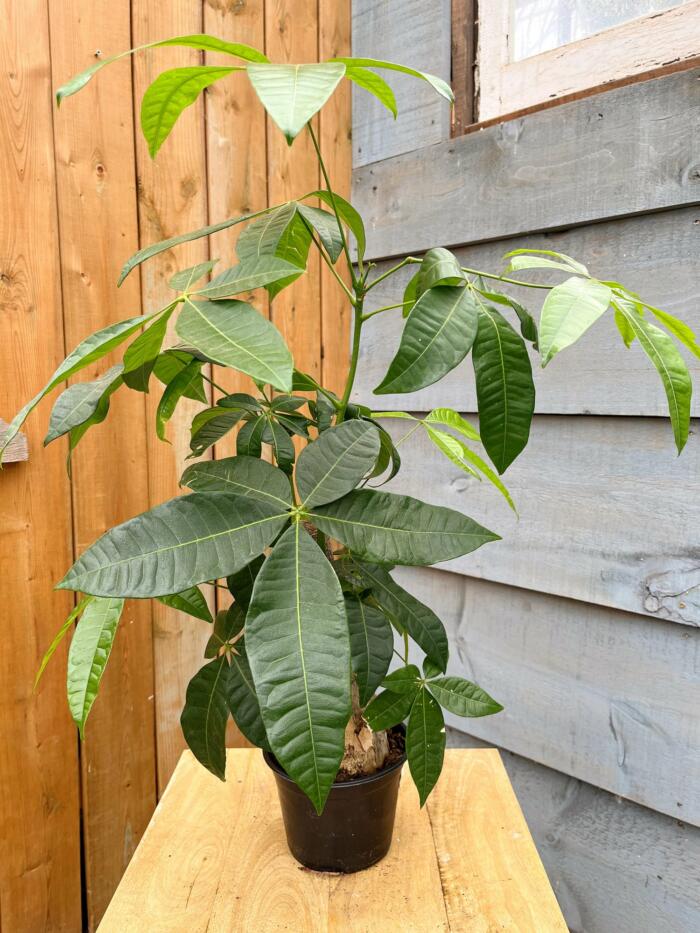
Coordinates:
335 140
98 222
172 200
39 771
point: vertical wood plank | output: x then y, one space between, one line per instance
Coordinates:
172 199
98 224
335 139
39 774
291 35
464 38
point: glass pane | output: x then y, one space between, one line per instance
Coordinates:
540 25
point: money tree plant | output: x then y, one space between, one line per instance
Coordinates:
306 542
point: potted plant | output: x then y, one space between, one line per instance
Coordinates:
307 542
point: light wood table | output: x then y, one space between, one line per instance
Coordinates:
214 858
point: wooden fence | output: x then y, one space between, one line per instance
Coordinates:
80 194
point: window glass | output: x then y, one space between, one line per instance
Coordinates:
540 25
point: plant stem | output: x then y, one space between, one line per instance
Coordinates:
330 265
503 278
400 304
405 647
409 260
215 385
354 356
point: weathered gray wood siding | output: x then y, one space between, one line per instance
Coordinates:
584 620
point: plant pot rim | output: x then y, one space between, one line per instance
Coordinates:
272 763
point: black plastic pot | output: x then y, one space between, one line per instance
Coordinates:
353 832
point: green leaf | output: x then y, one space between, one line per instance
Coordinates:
451 448
567 313
79 402
348 214
60 635
326 226
292 94
169 364
528 328
281 444
249 440
249 275
442 87
375 84
335 463
89 652
504 388
626 332
190 601
234 334
243 700
438 334
242 401
174 391
298 648
170 93
246 476
88 351
204 716
388 454
209 426
463 698
536 259
394 529
430 669
678 328
670 365
403 680
176 545
263 236
204 42
481 465
97 417
388 709
182 281
425 743
228 623
410 294
439 267
241 583
141 355
421 623
371 645
454 420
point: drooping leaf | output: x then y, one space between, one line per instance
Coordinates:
263 236
528 328
203 42
348 214
388 458
234 334
79 402
89 652
442 87
405 679
410 294
504 388
484 468
454 420
170 93
182 281
169 364
439 267
176 545
243 700
452 448
141 355
88 351
678 328
190 601
183 383
425 743
242 401
77 433
281 445
670 365
567 313
298 649
626 332
247 276
292 94
413 616
375 84
388 709
209 426
60 635
430 669
335 463
371 645
326 226
245 476
463 698
249 440
438 334
538 259
204 716
241 583
393 529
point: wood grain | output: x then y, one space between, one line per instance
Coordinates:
613 864
464 64
98 221
607 513
653 254
574 680
215 889
412 33
172 200
39 768
631 150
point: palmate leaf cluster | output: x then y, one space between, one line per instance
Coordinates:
306 543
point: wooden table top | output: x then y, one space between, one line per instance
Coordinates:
214 858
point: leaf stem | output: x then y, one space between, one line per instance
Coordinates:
503 278
400 304
354 355
408 260
215 385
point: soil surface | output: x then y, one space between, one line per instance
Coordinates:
397 745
